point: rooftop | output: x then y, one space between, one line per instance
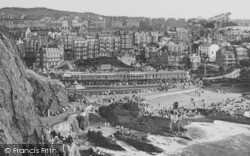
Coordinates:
69 74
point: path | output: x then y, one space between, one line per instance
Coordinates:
233 74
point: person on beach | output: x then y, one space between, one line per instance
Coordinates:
203 103
179 126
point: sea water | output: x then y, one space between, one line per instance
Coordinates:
208 139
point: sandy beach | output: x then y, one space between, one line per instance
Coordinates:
185 99
158 100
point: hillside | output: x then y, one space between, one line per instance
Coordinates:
40 12
239 21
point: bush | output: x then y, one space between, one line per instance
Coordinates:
222 70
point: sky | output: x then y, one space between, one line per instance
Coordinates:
240 9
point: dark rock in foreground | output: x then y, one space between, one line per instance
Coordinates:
99 140
19 118
89 152
138 143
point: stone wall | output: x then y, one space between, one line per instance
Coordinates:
130 115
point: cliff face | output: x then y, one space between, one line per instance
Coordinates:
46 93
19 120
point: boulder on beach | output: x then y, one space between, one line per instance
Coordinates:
98 139
83 122
120 112
138 143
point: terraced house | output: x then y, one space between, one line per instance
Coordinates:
226 57
241 54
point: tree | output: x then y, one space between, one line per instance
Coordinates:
245 63
222 70
244 72
186 60
166 34
145 25
248 52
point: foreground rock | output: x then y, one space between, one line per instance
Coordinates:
99 140
139 143
19 119
83 122
130 115
89 152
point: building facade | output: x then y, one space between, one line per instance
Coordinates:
241 54
195 61
226 58
109 78
52 57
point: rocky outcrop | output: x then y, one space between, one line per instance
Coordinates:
95 118
19 119
138 143
99 140
120 113
131 116
82 122
89 152
47 93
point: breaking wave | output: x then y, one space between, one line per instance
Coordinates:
217 138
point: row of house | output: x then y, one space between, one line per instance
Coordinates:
237 27
38 43
47 22
230 56
170 55
77 48
145 38
6 16
102 23
39 53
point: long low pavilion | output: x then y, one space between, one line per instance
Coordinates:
108 78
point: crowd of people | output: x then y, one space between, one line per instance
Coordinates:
230 105
58 112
